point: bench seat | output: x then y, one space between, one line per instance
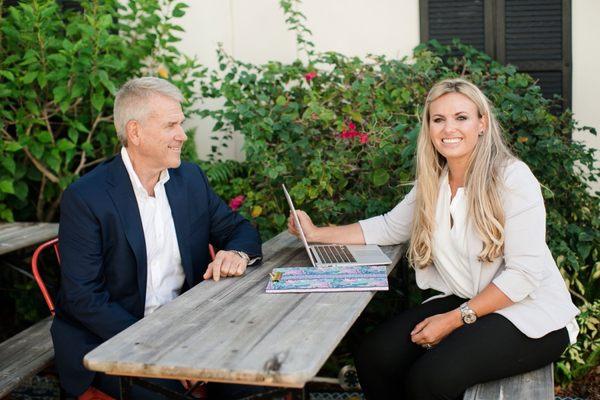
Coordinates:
24 355
538 384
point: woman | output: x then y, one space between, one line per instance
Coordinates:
475 219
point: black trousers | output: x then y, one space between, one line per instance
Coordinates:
390 366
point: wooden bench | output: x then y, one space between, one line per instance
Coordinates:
24 355
538 384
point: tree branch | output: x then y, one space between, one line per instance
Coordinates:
53 208
580 297
97 161
39 208
51 177
47 122
97 121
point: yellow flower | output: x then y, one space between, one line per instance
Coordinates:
163 72
256 211
522 139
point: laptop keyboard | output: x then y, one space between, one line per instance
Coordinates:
334 254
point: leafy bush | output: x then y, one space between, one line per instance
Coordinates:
340 132
584 355
59 70
344 140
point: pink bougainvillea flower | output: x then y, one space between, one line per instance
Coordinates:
364 138
237 202
351 132
310 76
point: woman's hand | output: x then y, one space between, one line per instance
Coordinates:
310 230
434 329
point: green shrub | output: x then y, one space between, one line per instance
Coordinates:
307 134
340 132
581 357
59 70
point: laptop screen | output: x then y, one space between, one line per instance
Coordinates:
297 222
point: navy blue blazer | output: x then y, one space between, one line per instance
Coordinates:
103 255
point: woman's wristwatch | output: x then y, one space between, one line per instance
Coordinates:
467 314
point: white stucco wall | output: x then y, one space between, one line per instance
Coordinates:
255 31
586 71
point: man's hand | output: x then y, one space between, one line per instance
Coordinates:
434 329
226 263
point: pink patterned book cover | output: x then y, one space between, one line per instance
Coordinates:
330 279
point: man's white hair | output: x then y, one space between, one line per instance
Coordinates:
131 101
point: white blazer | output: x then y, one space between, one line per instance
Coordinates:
526 273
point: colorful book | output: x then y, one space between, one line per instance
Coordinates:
330 279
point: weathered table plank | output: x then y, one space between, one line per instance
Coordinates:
17 235
24 355
232 331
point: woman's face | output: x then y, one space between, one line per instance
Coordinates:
454 126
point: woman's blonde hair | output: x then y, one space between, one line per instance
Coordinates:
483 179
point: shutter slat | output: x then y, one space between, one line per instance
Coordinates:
550 82
462 19
533 30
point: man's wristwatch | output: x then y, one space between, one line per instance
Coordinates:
243 255
467 314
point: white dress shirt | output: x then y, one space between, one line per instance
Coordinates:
164 271
449 241
526 273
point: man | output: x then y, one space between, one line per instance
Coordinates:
134 232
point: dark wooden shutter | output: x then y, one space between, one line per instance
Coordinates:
534 35
535 41
447 19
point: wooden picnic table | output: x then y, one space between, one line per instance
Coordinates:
232 331
18 235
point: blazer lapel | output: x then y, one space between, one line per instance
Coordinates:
121 192
178 202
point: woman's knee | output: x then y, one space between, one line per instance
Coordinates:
428 380
371 353
387 349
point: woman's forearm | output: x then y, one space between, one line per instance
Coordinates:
489 300
343 234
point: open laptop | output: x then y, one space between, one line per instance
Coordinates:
335 255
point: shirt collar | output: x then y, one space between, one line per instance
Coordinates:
134 178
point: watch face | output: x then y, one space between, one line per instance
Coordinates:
469 317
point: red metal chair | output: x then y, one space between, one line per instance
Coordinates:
211 251
91 393
36 273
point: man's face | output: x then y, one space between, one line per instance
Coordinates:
161 134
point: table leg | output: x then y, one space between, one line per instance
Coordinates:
305 395
124 387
